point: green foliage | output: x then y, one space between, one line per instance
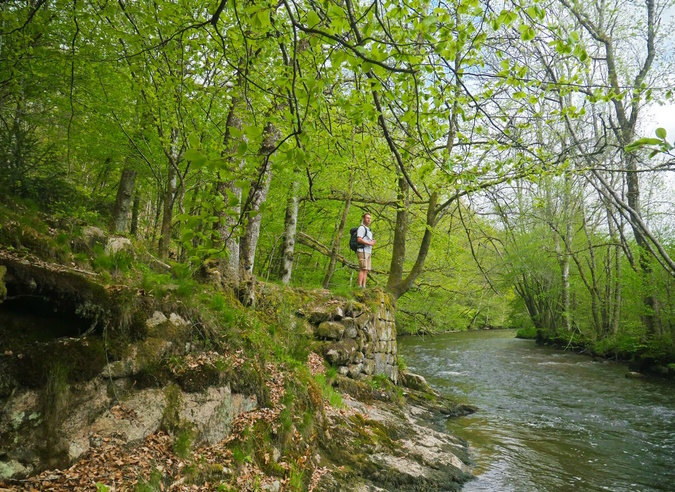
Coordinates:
155 283
658 145
529 333
117 263
328 392
183 441
296 479
152 484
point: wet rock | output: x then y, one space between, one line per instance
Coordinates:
386 446
634 375
415 381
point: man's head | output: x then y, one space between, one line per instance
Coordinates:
366 218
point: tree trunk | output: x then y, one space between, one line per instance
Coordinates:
125 193
399 288
167 215
134 214
256 197
651 317
627 117
400 236
290 228
335 249
230 214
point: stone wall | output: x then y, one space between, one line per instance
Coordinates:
358 336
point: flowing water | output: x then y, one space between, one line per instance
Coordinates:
550 420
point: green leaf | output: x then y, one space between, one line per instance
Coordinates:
196 158
642 142
526 32
661 133
193 141
313 19
187 235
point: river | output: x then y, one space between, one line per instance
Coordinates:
550 420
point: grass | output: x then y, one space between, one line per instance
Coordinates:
183 441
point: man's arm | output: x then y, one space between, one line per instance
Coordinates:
361 239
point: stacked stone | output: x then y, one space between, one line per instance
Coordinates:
360 343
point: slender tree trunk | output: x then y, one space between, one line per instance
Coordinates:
231 193
125 192
616 311
335 249
290 228
651 317
135 210
167 213
400 236
173 155
256 197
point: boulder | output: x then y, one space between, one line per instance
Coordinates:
119 244
332 311
415 381
93 236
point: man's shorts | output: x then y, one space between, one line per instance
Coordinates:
364 260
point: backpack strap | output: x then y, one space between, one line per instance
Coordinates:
365 235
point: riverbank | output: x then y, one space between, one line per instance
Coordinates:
118 374
648 358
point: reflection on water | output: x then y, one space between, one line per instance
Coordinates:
550 420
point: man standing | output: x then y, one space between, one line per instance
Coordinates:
364 236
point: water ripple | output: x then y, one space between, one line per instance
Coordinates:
551 420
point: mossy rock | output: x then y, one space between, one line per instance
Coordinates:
156 374
359 390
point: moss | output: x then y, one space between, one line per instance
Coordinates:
155 374
249 379
357 389
171 416
183 441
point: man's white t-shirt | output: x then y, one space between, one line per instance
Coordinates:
365 233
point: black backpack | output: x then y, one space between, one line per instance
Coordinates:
353 241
